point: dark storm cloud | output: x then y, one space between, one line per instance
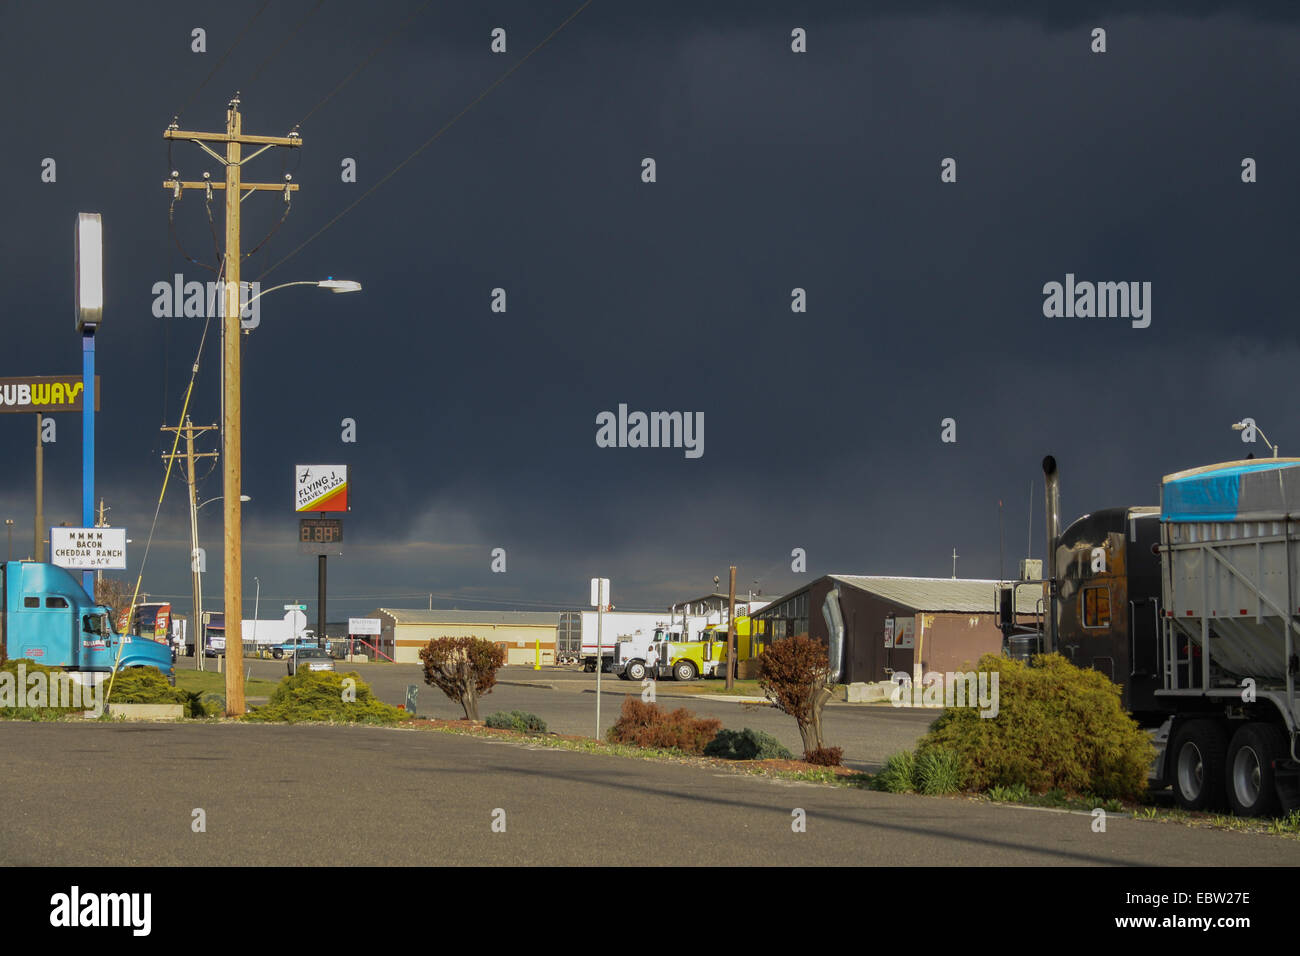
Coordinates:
775 171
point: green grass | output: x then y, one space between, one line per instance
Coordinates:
210 682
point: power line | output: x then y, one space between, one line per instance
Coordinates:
289 36
364 63
429 142
224 56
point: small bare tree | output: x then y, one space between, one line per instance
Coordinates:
113 593
463 668
793 674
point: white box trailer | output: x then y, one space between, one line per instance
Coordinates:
267 633
616 625
626 625
1230 603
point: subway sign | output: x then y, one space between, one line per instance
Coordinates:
43 393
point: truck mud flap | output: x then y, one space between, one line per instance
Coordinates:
1157 775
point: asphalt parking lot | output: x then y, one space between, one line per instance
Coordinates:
565 697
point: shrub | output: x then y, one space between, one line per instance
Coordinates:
323 695
42 712
824 756
792 673
147 685
746 745
1057 727
1015 794
899 774
516 720
939 771
463 668
649 725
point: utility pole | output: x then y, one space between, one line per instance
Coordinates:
231 434
38 546
320 600
731 630
189 432
100 523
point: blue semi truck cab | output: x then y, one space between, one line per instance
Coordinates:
46 616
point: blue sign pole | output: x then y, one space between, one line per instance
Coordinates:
88 443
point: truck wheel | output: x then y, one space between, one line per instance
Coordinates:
1196 769
684 670
1252 783
277 653
635 670
589 667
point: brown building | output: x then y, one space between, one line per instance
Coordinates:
947 623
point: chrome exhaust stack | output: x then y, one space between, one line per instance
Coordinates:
1052 489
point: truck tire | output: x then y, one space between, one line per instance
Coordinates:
589 667
277 653
635 670
684 670
1196 767
1251 781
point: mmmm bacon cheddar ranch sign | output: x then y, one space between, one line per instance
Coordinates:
43 393
320 488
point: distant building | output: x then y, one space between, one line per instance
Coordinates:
715 605
939 624
518 633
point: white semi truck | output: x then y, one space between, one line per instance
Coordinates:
618 626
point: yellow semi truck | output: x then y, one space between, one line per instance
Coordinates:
706 655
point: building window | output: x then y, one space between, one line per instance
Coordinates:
1096 606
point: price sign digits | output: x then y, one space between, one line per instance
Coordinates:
320 530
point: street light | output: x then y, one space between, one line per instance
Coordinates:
218 498
196 568
1250 423
232 429
9 526
336 286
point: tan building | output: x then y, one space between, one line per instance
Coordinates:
523 635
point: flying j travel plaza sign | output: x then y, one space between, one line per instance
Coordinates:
320 488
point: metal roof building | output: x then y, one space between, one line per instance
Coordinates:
941 594
939 624
524 635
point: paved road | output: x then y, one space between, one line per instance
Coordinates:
122 794
868 733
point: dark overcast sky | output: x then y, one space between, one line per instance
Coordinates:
775 170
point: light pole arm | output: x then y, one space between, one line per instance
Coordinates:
284 285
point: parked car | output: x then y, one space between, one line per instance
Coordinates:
286 649
311 658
